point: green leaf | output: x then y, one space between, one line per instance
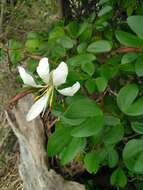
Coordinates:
109 71
128 39
15 56
128 67
139 66
83 27
32 35
106 9
101 83
32 65
72 29
137 127
81 59
112 157
90 86
131 153
138 167
88 68
32 45
70 152
126 96
128 58
135 23
118 178
97 138
82 109
101 2
58 140
14 44
56 33
66 42
113 134
57 51
91 162
132 148
81 48
15 51
99 46
111 120
72 122
86 130
85 32
136 108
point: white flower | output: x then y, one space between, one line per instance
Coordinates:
52 80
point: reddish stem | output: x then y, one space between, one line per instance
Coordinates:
18 97
128 49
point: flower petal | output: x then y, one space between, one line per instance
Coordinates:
70 91
60 74
37 108
27 78
43 69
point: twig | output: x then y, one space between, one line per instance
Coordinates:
52 124
128 49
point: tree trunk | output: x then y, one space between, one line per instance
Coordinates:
33 159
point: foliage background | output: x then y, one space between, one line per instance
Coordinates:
103 79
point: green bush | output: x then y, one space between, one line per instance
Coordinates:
102 124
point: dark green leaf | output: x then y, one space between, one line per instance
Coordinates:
81 48
126 96
81 59
112 157
128 67
136 108
132 148
72 122
101 83
88 67
139 164
137 127
114 134
57 51
139 66
88 128
109 71
91 162
72 29
118 178
90 86
129 57
82 109
111 120
32 65
128 39
85 32
58 140
75 147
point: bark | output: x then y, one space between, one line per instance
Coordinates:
33 158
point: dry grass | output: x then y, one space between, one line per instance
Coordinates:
9 157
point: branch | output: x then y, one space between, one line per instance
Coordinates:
128 49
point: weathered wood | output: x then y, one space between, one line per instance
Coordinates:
33 159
